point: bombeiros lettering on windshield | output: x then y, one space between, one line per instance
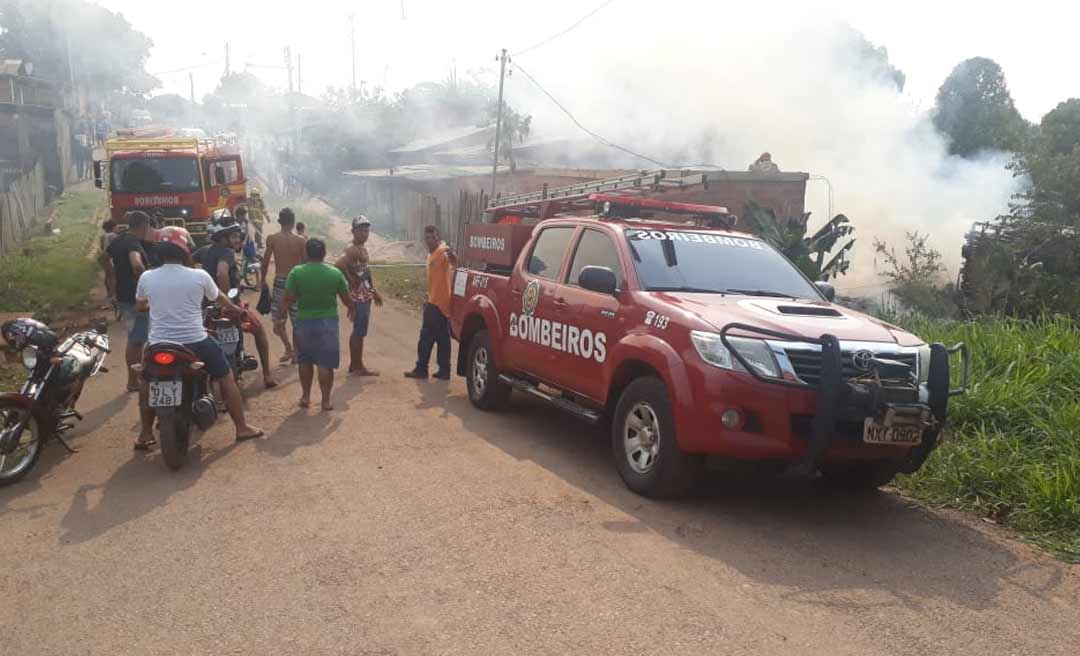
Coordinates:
696 238
563 337
146 201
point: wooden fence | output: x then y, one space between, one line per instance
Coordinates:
22 199
451 213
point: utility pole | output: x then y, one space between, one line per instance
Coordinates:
191 81
228 70
299 76
352 44
288 65
498 119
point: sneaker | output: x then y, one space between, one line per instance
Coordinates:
418 375
443 375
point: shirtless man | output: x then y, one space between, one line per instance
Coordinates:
286 249
354 264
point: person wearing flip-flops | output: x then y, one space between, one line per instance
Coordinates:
173 294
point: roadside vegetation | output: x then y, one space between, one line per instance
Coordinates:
50 273
1012 452
406 283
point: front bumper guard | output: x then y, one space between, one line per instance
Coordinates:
838 397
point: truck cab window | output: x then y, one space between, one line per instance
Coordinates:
547 255
595 249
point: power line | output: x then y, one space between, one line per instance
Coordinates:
558 34
586 130
190 68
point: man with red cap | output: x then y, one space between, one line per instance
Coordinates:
174 294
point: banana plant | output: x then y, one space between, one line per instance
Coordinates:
821 256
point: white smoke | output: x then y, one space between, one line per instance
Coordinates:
704 87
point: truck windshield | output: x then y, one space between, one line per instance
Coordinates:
678 260
154 175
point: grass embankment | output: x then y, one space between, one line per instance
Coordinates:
403 282
48 275
1012 449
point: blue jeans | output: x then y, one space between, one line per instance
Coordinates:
435 330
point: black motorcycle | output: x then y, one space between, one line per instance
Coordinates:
179 394
42 409
229 333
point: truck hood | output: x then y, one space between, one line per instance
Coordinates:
808 319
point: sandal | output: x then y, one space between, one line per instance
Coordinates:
250 436
146 445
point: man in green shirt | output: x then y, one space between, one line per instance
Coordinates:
316 288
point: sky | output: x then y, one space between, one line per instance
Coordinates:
686 83
401 42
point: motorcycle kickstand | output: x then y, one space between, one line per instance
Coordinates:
65 444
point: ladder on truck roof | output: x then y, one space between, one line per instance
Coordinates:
583 195
655 180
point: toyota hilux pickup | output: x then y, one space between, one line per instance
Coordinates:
691 340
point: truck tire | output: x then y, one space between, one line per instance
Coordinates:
864 477
486 391
643 442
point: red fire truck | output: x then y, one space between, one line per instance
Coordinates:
181 181
689 339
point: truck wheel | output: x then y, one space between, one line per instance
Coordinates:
647 454
861 477
486 391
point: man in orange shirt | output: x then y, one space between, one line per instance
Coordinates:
436 327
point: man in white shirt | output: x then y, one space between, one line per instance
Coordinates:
174 295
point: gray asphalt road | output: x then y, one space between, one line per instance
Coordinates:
405 522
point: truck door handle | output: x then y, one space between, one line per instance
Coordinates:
515 292
560 302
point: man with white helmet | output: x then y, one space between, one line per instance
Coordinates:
174 294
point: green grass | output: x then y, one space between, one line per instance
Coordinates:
404 283
49 274
1012 449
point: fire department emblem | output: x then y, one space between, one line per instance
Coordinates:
530 298
225 192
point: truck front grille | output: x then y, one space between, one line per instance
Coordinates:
807 364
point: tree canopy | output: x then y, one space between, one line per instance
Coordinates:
106 52
975 110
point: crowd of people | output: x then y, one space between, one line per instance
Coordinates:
160 284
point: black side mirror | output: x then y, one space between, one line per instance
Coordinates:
827 290
598 279
98 182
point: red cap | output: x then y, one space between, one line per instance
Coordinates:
176 236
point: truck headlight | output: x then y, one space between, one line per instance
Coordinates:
755 351
924 363
29 357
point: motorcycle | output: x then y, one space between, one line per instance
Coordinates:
229 333
57 372
178 389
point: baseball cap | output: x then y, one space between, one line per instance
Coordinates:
360 220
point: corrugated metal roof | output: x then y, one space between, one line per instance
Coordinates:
426 172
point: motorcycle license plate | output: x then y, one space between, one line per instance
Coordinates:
228 335
903 434
166 393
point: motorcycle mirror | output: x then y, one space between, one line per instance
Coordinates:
233 294
100 326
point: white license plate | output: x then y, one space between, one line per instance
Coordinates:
228 335
906 434
166 393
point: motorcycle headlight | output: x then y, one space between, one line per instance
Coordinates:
755 351
30 357
924 363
